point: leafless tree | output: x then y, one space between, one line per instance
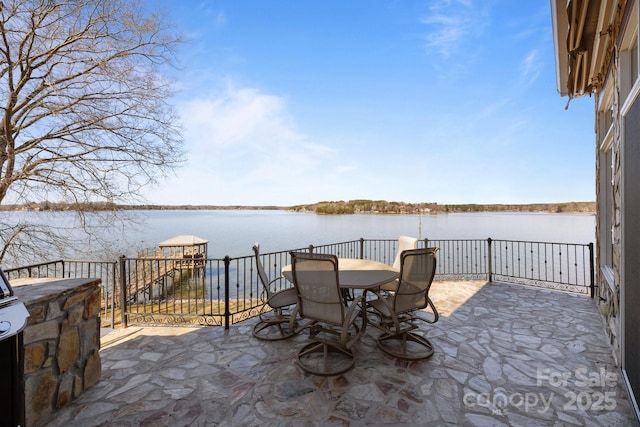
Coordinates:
87 114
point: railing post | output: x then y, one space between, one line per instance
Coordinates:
361 248
592 270
489 261
123 292
113 295
227 262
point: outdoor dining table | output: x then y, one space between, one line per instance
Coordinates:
353 273
357 274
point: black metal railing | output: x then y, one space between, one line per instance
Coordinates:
76 269
45 269
462 259
224 291
564 266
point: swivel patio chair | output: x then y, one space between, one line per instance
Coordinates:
398 311
404 243
334 326
280 323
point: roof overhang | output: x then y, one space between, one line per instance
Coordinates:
581 32
560 31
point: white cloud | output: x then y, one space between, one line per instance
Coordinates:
530 68
235 117
450 23
244 148
213 16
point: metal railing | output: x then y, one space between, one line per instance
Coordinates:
563 266
76 269
45 269
224 291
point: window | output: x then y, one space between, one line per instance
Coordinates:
605 136
606 209
629 57
605 216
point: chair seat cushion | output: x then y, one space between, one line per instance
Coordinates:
283 298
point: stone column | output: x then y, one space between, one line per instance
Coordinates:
61 342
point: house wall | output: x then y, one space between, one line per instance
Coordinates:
617 89
611 63
631 243
608 136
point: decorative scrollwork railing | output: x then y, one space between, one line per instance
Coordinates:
219 292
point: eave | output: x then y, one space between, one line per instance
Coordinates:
583 32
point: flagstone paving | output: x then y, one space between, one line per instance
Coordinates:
504 355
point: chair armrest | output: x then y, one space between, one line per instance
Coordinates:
436 315
272 284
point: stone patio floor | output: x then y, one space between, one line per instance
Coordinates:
504 355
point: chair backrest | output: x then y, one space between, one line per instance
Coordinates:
315 277
262 274
417 269
404 243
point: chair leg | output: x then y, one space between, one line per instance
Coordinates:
406 345
325 359
348 296
274 328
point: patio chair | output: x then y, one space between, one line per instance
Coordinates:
334 326
404 243
398 311
280 324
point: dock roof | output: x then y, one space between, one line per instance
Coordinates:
183 240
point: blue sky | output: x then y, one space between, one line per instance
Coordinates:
293 102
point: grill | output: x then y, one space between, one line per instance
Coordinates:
13 319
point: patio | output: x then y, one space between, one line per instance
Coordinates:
504 355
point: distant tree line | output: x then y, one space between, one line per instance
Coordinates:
326 207
108 206
384 207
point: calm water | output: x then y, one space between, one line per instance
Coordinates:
234 232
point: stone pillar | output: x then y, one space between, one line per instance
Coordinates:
61 342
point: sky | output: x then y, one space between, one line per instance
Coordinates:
449 101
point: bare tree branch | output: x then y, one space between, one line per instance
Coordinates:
86 114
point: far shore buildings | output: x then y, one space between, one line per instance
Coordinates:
596 45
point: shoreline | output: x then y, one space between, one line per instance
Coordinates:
326 208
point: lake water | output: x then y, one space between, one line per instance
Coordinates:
233 232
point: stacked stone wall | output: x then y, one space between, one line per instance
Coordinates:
608 289
61 344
